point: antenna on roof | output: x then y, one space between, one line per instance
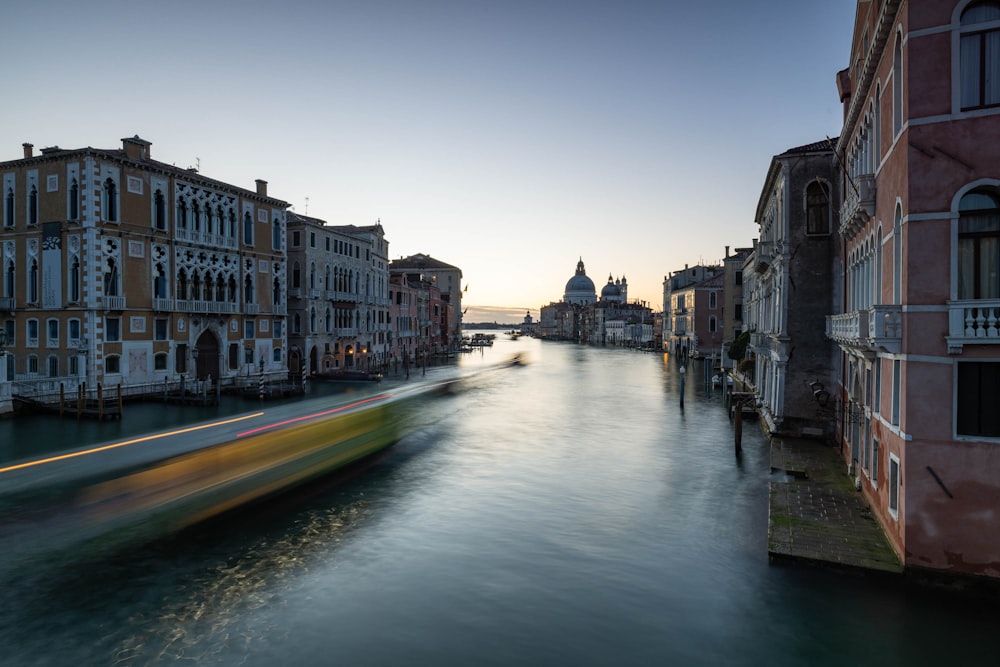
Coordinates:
197 163
307 205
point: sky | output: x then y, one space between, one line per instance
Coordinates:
510 138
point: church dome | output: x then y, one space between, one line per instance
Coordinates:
611 289
580 289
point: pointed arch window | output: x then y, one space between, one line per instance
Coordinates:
160 283
182 285
8 280
33 206
248 290
8 208
897 256
181 214
276 291
33 281
979 55
74 200
74 280
110 200
159 210
247 228
276 235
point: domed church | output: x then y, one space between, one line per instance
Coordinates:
616 291
580 289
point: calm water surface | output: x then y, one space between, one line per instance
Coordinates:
567 512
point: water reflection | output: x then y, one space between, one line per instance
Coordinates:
563 512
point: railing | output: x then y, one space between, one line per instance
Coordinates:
113 302
7 304
859 205
885 327
279 309
163 305
878 328
295 293
251 308
214 240
973 322
207 307
848 328
314 293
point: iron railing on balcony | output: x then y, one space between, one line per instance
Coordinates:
973 322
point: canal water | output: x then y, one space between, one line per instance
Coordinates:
563 512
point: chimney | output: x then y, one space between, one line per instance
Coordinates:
727 251
27 149
136 148
261 187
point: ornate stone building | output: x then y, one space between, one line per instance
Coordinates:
117 268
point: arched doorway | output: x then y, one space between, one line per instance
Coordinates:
313 360
206 361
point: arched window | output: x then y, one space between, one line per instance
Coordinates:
160 361
8 217
817 208
182 285
276 235
74 200
160 283
74 280
897 86
232 224
33 282
159 211
195 217
877 125
232 289
181 214
33 206
312 275
897 256
248 290
8 280
979 246
110 200
247 228
979 59
276 292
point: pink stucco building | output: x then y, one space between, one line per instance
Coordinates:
918 402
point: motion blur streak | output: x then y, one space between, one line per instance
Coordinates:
116 445
312 416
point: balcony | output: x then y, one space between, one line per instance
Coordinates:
973 322
7 304
885 328
295 293
764 253
880 328
859 205
314 293
206 307
279 309
113 303
163 305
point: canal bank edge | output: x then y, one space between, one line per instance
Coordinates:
818 517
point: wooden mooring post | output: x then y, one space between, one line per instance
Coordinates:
738 397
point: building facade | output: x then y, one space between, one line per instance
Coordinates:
918 324
678 325
119 269
338 295
794 288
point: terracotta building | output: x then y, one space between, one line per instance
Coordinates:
918 326
117 268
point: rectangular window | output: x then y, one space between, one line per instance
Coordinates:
277 328
977 398
160 361
52 333
249 329
112 329
74 332
180 359
896 377
296 241
112 363
32 332
713 300
312 239
160 328
276 355
894 486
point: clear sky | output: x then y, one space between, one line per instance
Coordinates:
507 137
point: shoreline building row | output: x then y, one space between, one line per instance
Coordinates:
582 317
118 269
870 302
